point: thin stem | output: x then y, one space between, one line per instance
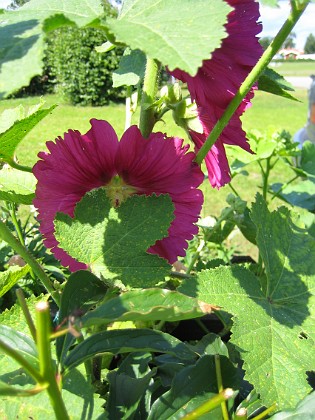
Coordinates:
195 256
266 179
128 114
15 165
225 414
147 113
16 355
45 361
8 237
276 194
26 313
266 412
12 210
250 80
233 189
209 405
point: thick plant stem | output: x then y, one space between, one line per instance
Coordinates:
11 240
147 113
47 371
225 414
251 79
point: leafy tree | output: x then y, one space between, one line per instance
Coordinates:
265 41
290 41
309 47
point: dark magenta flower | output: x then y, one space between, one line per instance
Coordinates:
217 81
79 163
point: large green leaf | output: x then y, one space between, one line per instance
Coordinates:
16 186
126 341
22 36
13 135
301 194
274 317
147 305
131 68
305 410
168 30
114 241
193 386
11 276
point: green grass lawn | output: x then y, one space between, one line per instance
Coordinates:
267 114
295 68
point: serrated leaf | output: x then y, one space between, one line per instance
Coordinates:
11 276
16 186
131 68
272 82
147 305
10 138
191 387
167 30
22 36
113 241
304 410
82 291
126 341
274 322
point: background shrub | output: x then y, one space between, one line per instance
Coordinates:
81 74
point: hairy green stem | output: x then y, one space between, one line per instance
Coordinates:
147 112
266 174
12 211
209 405
253 76
265 413
128 114
11 240
15 165
47 371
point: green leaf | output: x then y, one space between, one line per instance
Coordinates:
82 291
147 305
11 276
114 241
193 386
166 31
22 36
16 186
131 68
308 158
274 320
301 194
126 341
78 395
304 410
10 138
272 82
21 342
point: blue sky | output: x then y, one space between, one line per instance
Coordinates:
273 18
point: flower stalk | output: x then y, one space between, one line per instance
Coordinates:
147 112
46 366
296 13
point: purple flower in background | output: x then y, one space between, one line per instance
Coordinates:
217 81
79 163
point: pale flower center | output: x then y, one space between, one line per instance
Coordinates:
118 191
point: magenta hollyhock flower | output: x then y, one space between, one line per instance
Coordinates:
217 81
79 163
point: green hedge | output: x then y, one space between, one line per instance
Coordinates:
82 75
